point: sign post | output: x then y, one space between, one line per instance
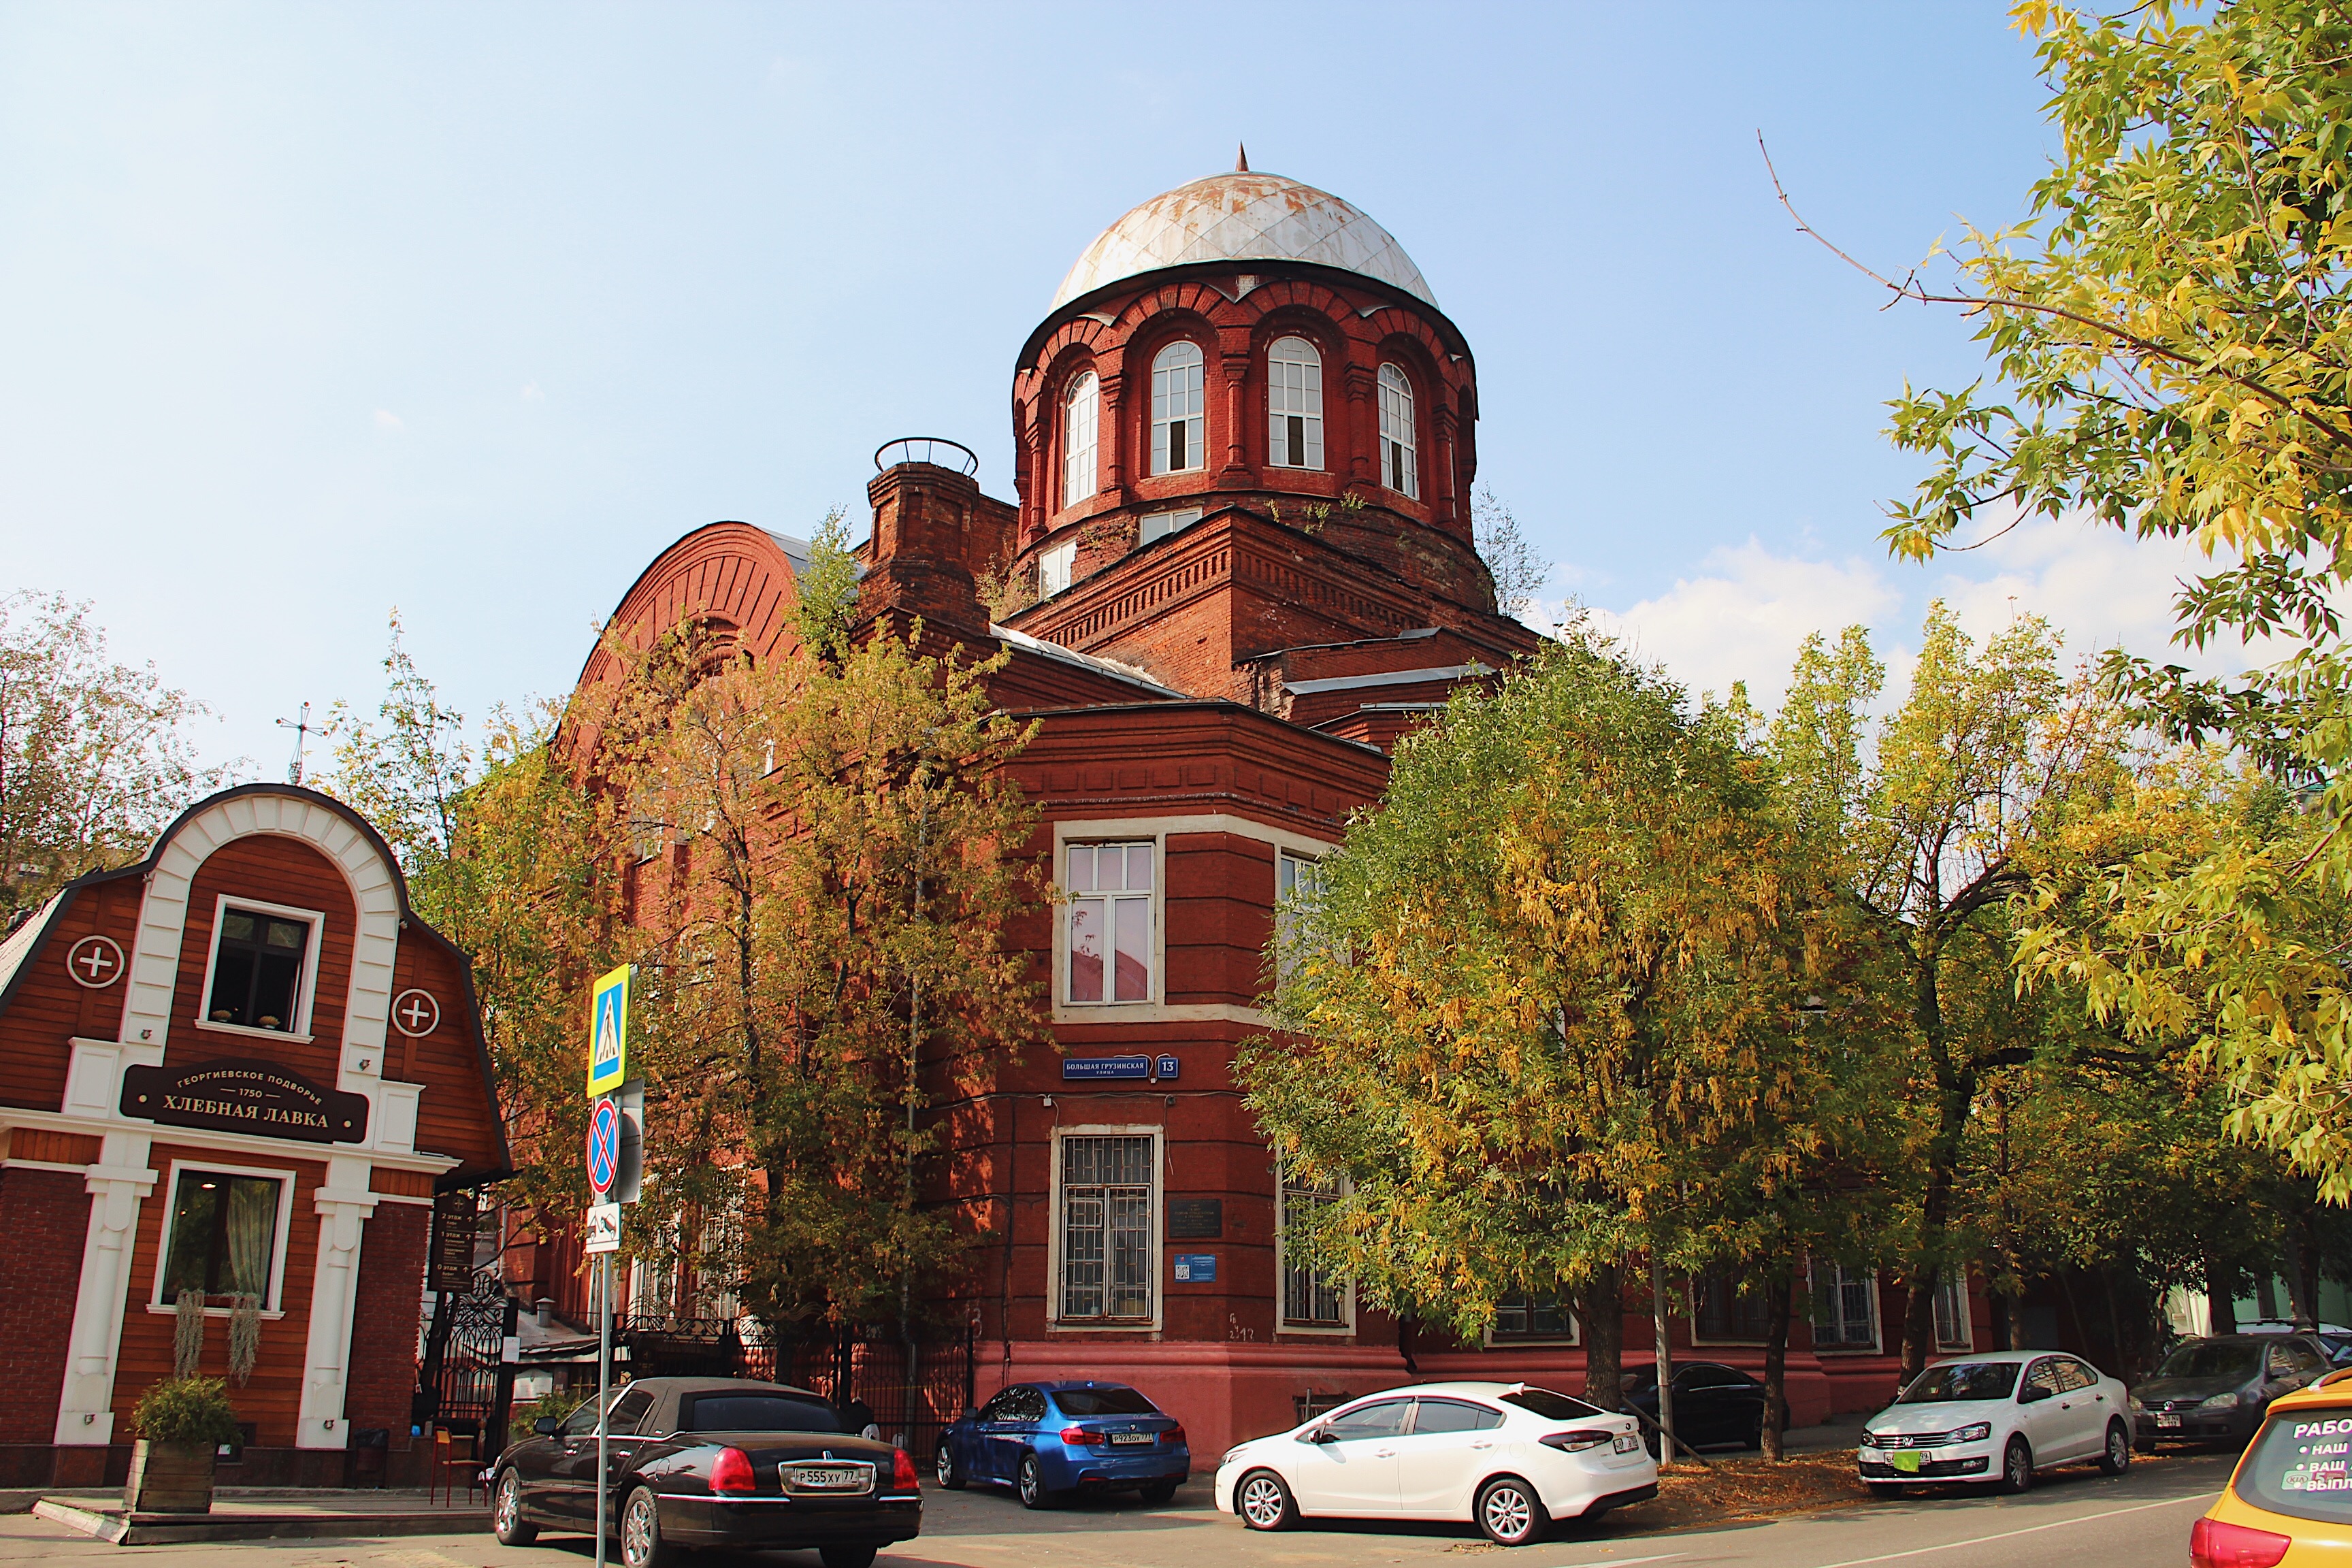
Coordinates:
608 1069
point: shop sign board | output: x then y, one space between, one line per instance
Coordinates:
449 1257
240 1096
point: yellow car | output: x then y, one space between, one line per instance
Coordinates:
2289 1504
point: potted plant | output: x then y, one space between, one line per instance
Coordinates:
181 1422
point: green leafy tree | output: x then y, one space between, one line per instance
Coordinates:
95 758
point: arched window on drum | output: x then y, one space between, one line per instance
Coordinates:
1294 401
1400 466
1178 426
1081 419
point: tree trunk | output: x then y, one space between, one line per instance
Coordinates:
2004 1319
1663 1360
1919 1319
2220 1295
1602 1304
2302 1271
1778 1293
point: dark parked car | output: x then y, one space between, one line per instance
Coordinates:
1714 1405
1049 1439
711 1461
2216 1389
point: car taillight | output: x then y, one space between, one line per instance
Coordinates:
903 1477
1079 1436
1174 1434
732 1472
2214 1544
1574 1442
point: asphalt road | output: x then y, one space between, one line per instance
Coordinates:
2074 1520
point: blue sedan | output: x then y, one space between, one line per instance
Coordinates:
1048 1441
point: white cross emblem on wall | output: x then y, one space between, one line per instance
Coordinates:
416 1013
95 962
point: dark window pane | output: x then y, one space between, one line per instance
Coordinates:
1385 1419
231 986
1103 1402
1549 1406
630 1409
1963 1380
758 1413
194 1218
1453 1415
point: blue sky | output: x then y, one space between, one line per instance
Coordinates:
311 311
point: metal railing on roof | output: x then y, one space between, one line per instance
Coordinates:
935 450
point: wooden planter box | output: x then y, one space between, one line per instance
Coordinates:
170 1477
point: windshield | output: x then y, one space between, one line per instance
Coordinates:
1103 1402
1549 1406
2213 1358
756 1413
1961 1380
2298 1466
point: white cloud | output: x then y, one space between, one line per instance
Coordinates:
385 419
1743 615
531 394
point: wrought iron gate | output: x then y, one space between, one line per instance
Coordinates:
465 1380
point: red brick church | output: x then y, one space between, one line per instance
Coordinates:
1238 566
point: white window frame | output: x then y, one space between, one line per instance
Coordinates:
1496 1340
1954 1283
1284 1323
271 1307
1055 569
1400 437
1152 897
1179 397
1081 436
1161 524
1289 864
1293 389
1869 1277
1055 1320
306 993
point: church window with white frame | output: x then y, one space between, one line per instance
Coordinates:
1399 463
1178 405
1294 401
1081 420
1112 888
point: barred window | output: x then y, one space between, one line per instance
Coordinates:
1107 1227
1534 1315
1722 1308
1177 409
1845 1308
1400 467
1294 403
1310 1299
1081 415
1953 1329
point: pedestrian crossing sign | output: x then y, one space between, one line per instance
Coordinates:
608 1033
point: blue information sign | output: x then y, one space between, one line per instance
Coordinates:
1196 1269
1169 1066
1106 1067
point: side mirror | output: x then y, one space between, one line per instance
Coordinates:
1318 1435
546 1426
2034 1395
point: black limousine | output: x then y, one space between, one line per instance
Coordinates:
711 1461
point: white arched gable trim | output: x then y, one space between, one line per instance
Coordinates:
163 923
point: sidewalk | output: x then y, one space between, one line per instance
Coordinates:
241 1513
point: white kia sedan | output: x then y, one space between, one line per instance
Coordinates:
1503 1455
1997 1417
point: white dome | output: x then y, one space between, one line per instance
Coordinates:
1243 216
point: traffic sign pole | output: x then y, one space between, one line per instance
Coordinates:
604 1400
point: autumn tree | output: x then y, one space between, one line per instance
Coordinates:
95 758
1537 997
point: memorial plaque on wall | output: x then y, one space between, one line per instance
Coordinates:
259 1098
449 1261
1195 1219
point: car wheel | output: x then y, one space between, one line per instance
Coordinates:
846 1556
1509 1512
1263 1502
1159 1493
1029 1482
2017 1467
642 1545
2116 1459
950 1474
507 1521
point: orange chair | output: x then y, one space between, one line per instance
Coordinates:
454 1451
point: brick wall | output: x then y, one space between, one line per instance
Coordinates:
390 1293
47 1216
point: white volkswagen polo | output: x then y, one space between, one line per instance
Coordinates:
1503 1455
1997 1417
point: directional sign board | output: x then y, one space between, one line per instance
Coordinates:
608 1032
604 1146
602 1232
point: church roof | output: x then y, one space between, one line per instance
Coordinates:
1243 216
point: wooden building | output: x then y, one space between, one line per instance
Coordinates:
242 1066
1241 566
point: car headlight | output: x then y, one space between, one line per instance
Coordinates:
2136 1407
1869 1439
1975 1432
2220 1401
1230 1454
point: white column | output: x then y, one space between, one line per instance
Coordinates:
116 1185
344 1205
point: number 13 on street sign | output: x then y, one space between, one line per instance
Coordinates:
608 1033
